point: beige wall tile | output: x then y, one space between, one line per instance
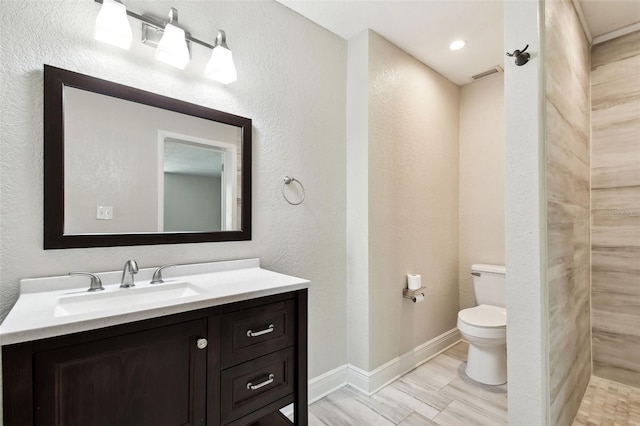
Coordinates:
615 50
616 177
615 204
568 209
627 197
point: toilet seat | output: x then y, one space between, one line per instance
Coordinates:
484 316
483 321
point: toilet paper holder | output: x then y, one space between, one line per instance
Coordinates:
412 294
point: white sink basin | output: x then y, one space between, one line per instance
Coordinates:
119 298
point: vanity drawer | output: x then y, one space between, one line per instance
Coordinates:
250 333
248 387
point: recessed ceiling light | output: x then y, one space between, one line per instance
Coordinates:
457 44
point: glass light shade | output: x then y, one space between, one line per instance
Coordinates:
172 48
220 66
112 25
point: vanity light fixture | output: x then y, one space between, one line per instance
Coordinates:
457 44
172 42
220 66
172 48
112 25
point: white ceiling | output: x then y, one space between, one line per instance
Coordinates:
187 158
425 28
605 16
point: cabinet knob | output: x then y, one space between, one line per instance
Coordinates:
202 343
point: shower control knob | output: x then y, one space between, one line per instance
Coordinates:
202 343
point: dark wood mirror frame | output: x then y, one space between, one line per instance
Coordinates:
55 79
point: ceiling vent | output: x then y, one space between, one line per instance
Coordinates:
487 73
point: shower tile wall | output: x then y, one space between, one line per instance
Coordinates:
615 209
567 181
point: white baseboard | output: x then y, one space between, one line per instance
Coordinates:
326 383
321 386
371 382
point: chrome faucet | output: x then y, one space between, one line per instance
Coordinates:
157 275
96 282
130 269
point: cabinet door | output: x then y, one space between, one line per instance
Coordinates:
155 377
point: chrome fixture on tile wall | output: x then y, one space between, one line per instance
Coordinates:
172 42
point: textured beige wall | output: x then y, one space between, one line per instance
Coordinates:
413 200
567 180
615 209
481 205
291 82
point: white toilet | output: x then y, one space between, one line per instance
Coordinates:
485 326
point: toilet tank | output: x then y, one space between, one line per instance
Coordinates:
489 284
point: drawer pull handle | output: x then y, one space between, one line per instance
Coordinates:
251 333
202 343
251 386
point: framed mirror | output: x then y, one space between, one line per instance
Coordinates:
127 167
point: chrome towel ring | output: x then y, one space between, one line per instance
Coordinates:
287 181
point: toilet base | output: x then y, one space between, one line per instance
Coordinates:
487 364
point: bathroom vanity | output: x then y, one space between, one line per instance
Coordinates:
225 345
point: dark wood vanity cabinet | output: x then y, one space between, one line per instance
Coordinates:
234 364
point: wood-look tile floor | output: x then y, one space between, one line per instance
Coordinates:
609 403
440 393
436 393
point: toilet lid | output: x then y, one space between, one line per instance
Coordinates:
484 316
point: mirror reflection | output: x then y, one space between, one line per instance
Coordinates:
132 168
197 174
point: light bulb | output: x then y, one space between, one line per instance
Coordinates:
221 67
112 25
172 48
457 44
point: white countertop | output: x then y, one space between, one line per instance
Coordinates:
36 314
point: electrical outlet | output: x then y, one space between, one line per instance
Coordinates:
104 212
